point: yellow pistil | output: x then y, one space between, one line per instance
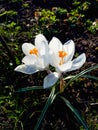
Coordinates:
62 54
34 51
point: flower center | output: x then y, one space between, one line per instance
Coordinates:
62 54
34 51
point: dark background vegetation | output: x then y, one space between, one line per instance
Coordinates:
20 21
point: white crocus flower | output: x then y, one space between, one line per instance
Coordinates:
36 56
60 57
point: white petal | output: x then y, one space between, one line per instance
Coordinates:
26 69
55 45
78 62
69 48
30 59
45 61
53 59
40 63
26 47
51 79
42 44
64 67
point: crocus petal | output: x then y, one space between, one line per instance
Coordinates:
40 63
43 62
53 59
51 79
26 47
55 45
69 48
42 44
26 69
29 59
78 62
64 67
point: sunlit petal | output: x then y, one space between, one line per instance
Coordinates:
78 62
53 59
55 45
64 67
29 59
26 69
45 60
40 63
42 44
51 79
69 48
26 47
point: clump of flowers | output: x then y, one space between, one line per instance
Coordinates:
38 57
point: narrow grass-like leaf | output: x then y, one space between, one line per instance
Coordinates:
75 112
48 103
69 77
85 76
89 76
81 74
30 88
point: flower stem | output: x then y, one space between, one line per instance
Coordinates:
62 84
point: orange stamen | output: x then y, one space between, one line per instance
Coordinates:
34 51
62 54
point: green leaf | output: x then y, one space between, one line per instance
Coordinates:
81 74
91 77
75 112
48 103
30 88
